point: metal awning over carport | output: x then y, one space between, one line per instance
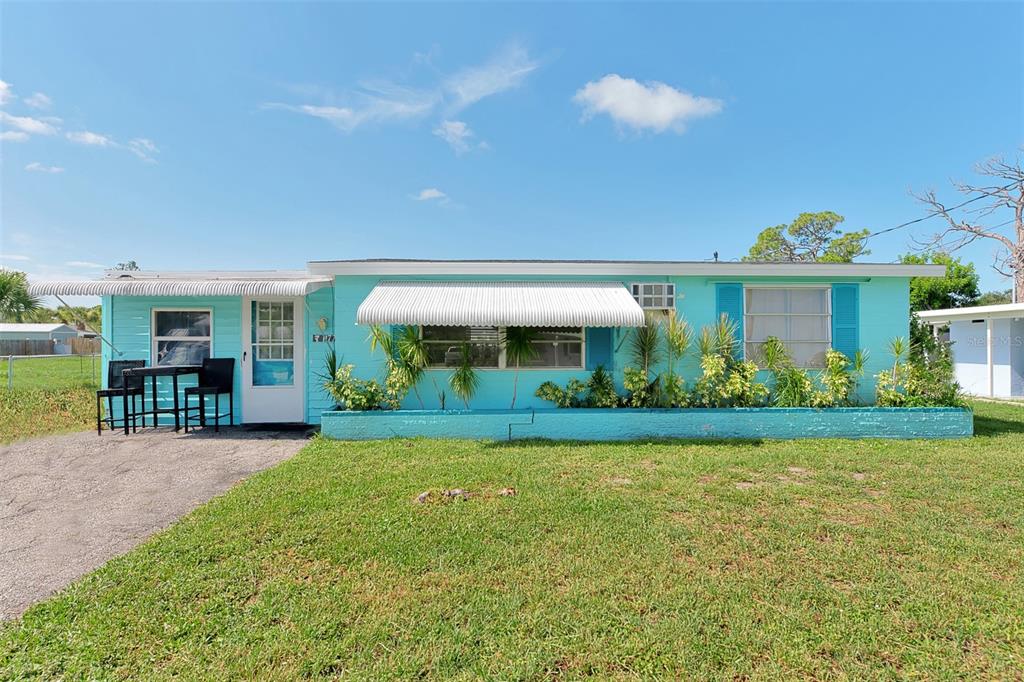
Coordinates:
501 304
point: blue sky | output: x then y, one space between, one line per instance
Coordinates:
233 136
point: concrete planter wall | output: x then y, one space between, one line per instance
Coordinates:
633 424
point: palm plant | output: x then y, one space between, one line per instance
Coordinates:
413 355
519 348
644 345
726 330
678 336
330 368
15 301
464 380
381 338
774 354
404 369
898 348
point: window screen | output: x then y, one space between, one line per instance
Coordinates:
800 317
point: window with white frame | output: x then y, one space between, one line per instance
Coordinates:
800 317
181 337
444 345
654 295
556 347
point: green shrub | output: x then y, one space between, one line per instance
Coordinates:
925 379
641 391
351 393
601 389
725 381
838 380
795 387
562 397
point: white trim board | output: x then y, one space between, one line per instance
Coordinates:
621 268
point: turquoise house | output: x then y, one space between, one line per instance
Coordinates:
279 326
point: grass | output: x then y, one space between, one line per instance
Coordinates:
50 373
816 559
50 395
30 413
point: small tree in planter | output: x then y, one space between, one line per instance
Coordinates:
601 389
678 336
726 381
519 348
920 381
645 349
792 387
464 380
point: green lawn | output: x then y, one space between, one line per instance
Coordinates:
815 559
46 373
50 395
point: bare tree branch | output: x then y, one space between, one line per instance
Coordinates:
970 224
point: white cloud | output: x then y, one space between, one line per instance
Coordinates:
27 124
13 136
37 167
384 101
85 264
380 102
457 134
506 70
143 148
653 105
89 138
14 256
5 92
39 100
431 194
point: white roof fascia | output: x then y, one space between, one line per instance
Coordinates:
606 268
981 312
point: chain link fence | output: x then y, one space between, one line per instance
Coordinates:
50 371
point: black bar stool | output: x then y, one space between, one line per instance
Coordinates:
120 387
216 378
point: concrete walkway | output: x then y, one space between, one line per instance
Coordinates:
70 503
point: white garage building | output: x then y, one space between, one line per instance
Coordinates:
988 347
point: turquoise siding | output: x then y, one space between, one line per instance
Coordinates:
626 424
884 315
127 324
319 304
883 311
495 386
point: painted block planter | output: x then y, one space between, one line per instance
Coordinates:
638 424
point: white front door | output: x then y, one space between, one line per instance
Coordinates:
273 360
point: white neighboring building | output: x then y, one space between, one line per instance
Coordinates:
988 347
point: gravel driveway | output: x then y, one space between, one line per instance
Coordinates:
70 503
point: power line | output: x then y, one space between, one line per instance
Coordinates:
923 218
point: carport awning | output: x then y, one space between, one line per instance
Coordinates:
178 287
501 304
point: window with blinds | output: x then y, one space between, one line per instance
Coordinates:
801 317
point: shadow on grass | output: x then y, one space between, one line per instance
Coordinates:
992 426
697 442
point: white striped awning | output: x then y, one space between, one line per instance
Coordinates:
501 304
177 287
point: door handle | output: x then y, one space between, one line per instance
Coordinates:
244 355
